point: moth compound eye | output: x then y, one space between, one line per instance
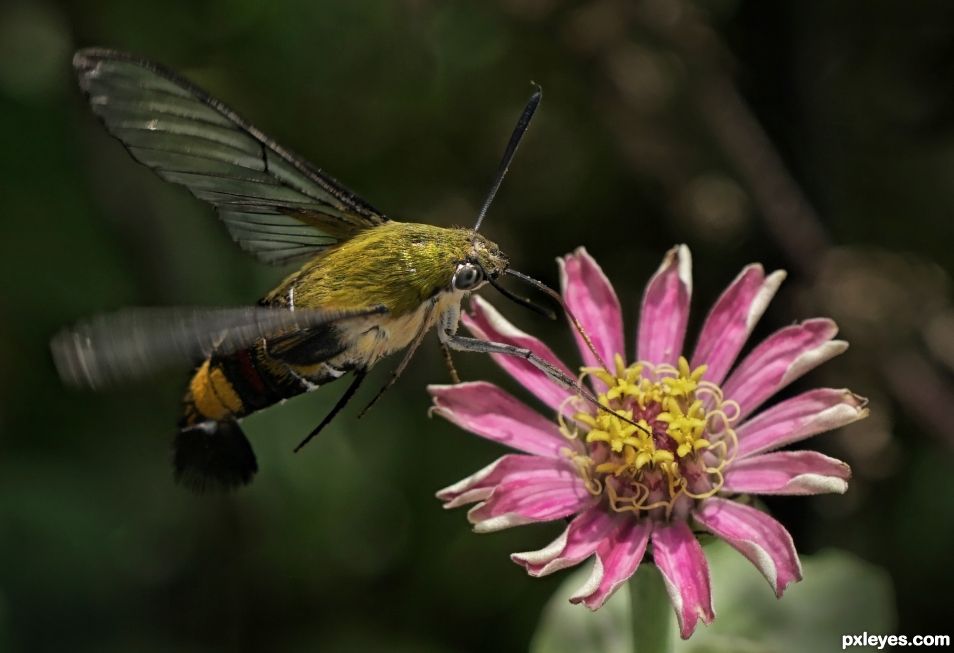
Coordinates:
467 276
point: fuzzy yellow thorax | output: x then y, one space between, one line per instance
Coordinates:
399 265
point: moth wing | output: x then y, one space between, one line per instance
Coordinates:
308 346
274 203
131 343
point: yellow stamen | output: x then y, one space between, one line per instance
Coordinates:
682 421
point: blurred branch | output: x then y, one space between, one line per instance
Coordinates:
602 29
918 385
914 380
787 213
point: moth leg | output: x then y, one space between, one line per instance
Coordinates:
396 374
449 362
359 375
463 343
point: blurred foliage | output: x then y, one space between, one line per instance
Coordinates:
649 134
840 595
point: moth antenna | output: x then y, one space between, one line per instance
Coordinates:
547 290
518 131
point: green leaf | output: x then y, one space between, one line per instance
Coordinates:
568 628
840 594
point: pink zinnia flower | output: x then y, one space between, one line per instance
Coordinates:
699 447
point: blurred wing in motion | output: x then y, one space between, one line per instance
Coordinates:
134 342
275 204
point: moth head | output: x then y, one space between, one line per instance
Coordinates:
485 262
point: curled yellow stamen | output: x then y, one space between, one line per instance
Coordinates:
561 420
584 466
684 423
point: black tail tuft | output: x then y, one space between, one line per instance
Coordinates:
213 456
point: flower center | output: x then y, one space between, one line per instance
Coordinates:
661 444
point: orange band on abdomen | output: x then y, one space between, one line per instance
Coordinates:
213 395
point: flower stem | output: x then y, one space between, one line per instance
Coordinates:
651 612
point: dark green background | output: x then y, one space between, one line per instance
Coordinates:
648 136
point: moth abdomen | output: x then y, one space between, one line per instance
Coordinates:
238 384
213 455
210 449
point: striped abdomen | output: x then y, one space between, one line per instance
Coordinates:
210 448
233 386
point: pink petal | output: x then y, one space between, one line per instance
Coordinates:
522 501
758 537
479 486
798 418
487 324
732 318
781 358
788 472
579 541
616 561
591 298
665 309
491 412
686 574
